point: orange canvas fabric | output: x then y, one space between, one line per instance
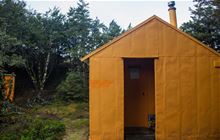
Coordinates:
187 83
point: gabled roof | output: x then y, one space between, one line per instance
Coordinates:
140 25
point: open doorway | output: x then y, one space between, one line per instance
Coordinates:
139 99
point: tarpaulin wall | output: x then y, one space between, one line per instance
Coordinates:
106 99
187 99
187 89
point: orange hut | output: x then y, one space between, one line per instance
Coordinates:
154 69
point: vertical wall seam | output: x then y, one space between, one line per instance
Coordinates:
100 102
164 93
179 97
155 95
116 100
196 89
122 90
211 91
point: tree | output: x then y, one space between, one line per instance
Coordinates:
39 42
129 26
8 55
114 30
11 14
11 27
98 37
204 24
41 45
78 35
216 3
12 17
83 36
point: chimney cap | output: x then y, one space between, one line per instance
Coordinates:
171 4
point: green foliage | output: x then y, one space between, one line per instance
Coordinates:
41 45
12 18
2 93
40 41
83 35
44 130
1 88
216 3
4 103
114 30
8 55
9 136
36 129
129 26
72 87
81 122
205 25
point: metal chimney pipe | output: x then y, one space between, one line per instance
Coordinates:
172 13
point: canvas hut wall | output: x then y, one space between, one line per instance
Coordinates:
187 85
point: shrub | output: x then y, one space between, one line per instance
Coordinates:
44 130
2 94
9 136
72 87
1 85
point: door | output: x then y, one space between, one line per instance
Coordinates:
139 95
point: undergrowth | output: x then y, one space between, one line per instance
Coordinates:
24 128
54 121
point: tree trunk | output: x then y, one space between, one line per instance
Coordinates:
45 73
32 75
41 76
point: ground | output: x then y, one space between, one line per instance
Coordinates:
74 115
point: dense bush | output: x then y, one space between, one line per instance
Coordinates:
1 85
24 128
2 93
44 130
72 87
9 136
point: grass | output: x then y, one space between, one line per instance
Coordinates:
74 116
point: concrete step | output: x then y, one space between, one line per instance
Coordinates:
139 133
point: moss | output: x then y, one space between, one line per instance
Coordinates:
79 123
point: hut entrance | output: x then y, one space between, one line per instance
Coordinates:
139 99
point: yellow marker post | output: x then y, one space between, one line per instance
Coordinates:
9 86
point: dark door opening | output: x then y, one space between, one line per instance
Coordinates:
139 99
